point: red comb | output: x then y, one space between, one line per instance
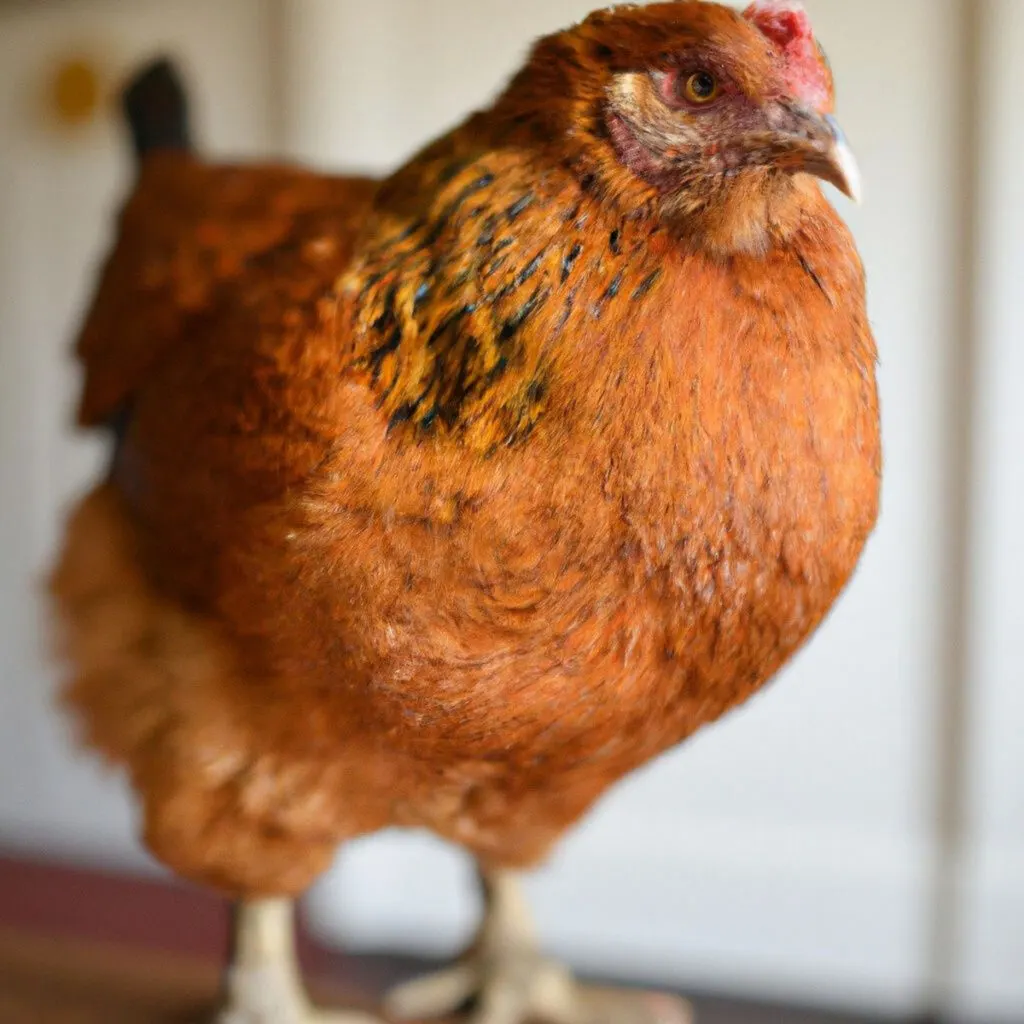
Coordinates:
786 24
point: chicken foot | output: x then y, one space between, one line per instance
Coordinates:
263 982
507 980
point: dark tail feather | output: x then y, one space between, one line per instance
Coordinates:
156 107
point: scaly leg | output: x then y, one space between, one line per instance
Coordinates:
509 981
263 983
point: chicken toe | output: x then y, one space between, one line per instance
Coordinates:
508 989
521 988
506 980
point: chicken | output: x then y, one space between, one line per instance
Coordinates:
446 501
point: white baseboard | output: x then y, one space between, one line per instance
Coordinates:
988 986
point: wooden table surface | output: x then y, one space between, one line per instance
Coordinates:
47 981
50 981
86 947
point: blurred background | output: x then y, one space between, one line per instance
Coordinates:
855 836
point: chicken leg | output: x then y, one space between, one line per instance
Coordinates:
507 980
263 983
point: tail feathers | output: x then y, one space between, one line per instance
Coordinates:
156 108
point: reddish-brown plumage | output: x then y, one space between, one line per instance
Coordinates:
448 502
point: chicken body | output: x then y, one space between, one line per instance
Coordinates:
449 500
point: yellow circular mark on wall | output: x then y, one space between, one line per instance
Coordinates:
75 91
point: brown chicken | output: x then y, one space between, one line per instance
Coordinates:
446 501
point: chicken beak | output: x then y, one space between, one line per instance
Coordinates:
839 166
815 144
804 141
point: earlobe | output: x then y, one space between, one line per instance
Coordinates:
668 85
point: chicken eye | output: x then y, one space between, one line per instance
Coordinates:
701 87
680 89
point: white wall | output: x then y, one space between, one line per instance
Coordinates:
793 848
988 963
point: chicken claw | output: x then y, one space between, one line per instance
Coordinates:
528 988
508 981
507 990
